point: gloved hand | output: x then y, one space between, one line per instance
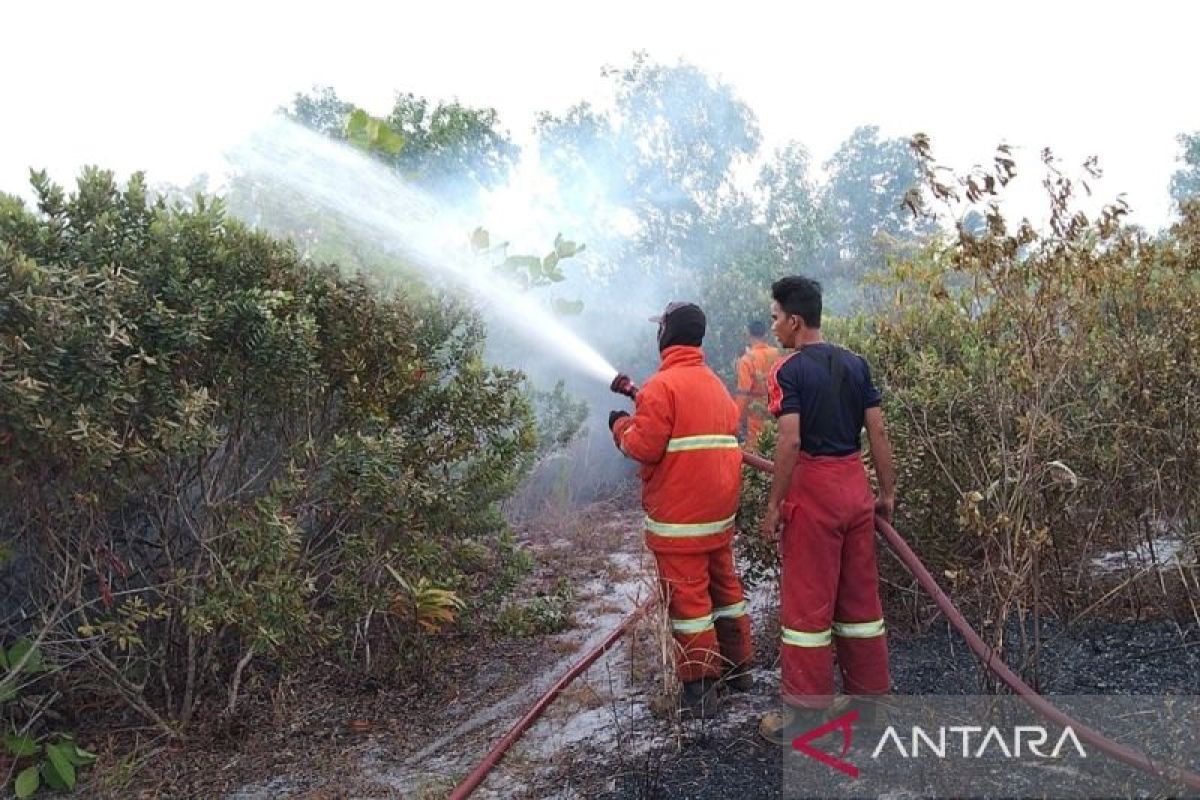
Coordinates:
613 416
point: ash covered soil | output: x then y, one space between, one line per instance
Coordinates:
723 757
601 738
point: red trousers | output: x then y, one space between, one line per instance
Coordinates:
830 584
708 612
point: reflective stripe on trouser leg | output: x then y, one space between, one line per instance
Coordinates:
737 609
805 639
697 625
858 629
862 656
730 610
685 583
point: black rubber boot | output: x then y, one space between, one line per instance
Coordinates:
873 718
738 678
698 699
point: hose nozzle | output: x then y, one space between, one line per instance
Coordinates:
623 384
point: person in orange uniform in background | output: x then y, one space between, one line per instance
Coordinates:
821 499
682 433
752 371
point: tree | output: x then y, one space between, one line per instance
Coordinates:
449 149
322 111
580 148
1185 183
664 159
869 178
796 221
665 152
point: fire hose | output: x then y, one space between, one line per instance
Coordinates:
991 661
987 656
472 781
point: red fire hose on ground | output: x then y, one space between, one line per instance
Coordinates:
472 781
990 660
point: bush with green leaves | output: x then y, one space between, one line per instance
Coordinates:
217 453
540 615
758 559
33 761
52 763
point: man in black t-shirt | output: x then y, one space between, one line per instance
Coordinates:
823 512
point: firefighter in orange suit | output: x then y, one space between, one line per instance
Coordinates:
682 433
752 370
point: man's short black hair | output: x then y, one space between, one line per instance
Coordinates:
757 328
801 296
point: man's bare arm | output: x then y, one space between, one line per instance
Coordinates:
881 454
787 450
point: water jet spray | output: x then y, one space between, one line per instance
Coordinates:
376 204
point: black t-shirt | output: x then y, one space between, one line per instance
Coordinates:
831 389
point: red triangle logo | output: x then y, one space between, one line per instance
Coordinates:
844 723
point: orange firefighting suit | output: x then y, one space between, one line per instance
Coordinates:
753 368
682 432
829 583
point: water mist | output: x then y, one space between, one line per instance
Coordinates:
432 235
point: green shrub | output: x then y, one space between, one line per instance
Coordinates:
53 763
216 450
33 761
758 559
540 615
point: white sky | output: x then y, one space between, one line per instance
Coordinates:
166 86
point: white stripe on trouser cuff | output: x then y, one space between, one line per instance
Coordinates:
697 625
858 630
738 609
803 639
688 528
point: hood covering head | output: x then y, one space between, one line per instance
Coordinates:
680 324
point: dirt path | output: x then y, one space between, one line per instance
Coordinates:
474 723
600 738
599 550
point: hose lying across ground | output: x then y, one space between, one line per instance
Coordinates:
990 660
472 781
